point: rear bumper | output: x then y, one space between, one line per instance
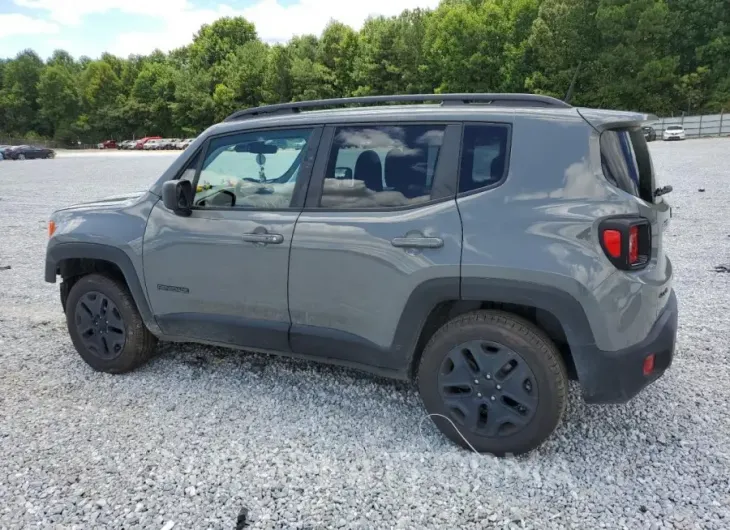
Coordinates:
616 377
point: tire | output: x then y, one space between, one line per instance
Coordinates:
21 157
511 411
49 156
118 341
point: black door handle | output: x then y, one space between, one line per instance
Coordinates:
417 242
265 239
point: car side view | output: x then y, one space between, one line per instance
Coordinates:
489 247
28 152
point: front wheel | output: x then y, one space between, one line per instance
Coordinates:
21 157
494 382
105 325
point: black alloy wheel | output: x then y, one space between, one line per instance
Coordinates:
488 388
100 325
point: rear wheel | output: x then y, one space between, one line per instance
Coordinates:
105 326
498 379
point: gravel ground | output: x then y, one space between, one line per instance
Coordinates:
200 433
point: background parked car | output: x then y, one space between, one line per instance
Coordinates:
142 141
674 132
107 144
186 143
22 152
152 144
2 151
649 133
167 143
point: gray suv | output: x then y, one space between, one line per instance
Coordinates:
490 247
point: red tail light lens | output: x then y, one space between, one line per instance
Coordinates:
626 240
633 245
612 243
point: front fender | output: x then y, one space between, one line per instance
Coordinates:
58 252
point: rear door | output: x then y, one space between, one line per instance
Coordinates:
378 243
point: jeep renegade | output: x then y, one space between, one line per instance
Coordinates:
489 246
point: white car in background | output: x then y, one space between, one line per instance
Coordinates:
674 132
152 145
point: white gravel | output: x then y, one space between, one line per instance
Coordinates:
200 433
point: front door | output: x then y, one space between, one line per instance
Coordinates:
220 275
378 245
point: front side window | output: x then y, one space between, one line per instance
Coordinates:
251 170
483 156
381 166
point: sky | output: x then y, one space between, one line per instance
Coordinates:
124 27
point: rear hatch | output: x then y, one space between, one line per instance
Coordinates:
627 164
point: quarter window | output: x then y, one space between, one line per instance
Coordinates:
484 156
381 166
252 170
626 162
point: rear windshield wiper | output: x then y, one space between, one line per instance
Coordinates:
662 191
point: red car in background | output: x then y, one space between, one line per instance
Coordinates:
140 143
108 144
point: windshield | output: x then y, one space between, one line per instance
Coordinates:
674 128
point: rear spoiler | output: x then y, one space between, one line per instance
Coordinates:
601 120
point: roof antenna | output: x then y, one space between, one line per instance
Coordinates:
569 94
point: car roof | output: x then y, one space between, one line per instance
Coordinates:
428 112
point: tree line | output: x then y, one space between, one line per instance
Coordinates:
661 56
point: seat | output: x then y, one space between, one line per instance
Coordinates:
405 173
497 169
369 169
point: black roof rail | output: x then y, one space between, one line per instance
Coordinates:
511 100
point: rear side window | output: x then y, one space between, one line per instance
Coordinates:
626 162
484 156
381 166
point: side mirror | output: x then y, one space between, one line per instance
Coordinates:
177 196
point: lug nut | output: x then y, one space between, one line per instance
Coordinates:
476 381
499 387
489 376
479 395
493 398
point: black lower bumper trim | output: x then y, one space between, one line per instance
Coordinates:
616 377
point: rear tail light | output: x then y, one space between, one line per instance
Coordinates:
612 243
633 245
626 241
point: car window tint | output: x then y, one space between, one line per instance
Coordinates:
386 166
484 156
626 162
251 170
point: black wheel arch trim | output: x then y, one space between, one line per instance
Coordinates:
80 250
562 305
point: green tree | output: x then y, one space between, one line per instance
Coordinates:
58 100
277 78
19 94
215 42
